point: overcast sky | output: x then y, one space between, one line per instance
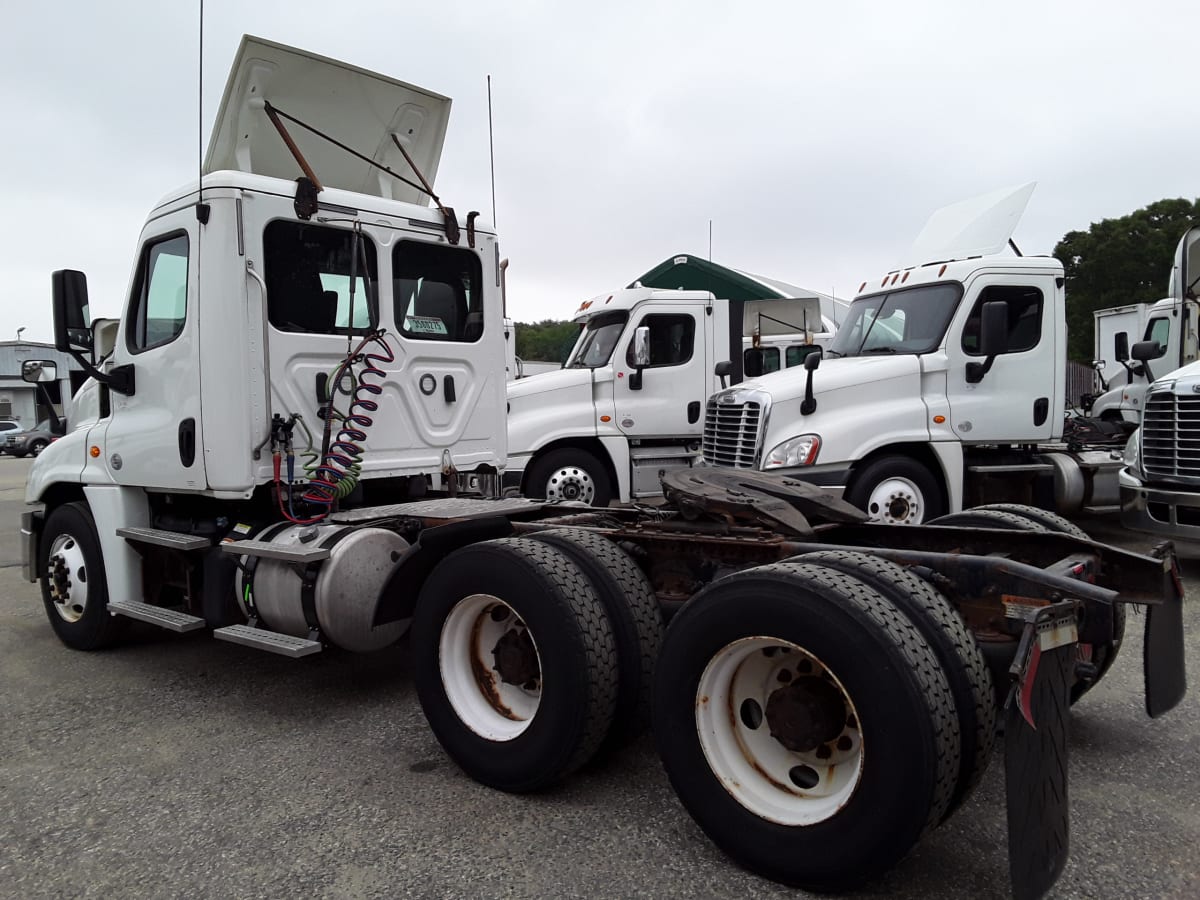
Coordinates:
816 137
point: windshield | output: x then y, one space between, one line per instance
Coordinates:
908 321
597 340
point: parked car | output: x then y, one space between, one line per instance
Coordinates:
7 427
35 440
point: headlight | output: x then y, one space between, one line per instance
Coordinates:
798 451
1133 453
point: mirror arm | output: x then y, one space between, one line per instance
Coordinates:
976 371
809 405
635 379
120 379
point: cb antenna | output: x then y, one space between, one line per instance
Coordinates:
491 150
200 112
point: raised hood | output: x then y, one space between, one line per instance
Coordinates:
1187 266
979 226
358 108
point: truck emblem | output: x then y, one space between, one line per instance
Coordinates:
1196 388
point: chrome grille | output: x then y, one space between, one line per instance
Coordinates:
731 432
1171 435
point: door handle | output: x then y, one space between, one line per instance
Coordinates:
448 389
187 442
693 412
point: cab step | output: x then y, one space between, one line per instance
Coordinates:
156 615
271 641
175 540
303 553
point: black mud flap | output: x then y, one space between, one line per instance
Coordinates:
1035 751
1162 653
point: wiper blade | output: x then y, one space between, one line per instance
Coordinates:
881 350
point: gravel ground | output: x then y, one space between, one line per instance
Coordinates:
178 765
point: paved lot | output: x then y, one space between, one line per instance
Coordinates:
181 766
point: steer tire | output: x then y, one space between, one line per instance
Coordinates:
903 470
728 761
72 568
568 708
633 611
957 652
581 469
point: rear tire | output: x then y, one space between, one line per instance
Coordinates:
633 612
74 585
793 653
569 474
896 490
514 663
947 635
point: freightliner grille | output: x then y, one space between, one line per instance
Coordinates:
732 429
1171 435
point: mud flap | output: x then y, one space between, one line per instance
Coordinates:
1035 751
1162 652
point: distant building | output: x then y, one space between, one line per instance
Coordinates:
26 403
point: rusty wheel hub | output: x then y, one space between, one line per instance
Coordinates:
805 714
516 658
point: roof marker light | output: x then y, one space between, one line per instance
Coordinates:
894 277
942 271
904 279
862 287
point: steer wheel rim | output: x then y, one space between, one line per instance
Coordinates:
756 697
490 667
896 501
571 483
68 578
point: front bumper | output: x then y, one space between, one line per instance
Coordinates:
1156 510
31 532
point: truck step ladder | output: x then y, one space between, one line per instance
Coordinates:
173 540
271 641
302 554
169 619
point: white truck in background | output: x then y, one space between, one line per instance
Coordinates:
1171 322
607 426
1160 481
944 387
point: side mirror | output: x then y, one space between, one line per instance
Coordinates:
993 339
722 370
641 355
808 405
753 363
72 321
37 371
1144 351
1121 347
641 346
993 328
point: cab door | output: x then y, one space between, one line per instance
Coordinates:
670 402
153 436
1021 398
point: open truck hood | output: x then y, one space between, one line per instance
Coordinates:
358 108
1187 265
979 226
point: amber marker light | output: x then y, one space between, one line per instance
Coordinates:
606 418
938 420
941 271
94 451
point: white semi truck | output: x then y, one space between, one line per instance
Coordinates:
607 427
297 304
943 389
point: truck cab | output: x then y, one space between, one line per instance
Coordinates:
944 386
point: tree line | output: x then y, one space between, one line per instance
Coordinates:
1114 262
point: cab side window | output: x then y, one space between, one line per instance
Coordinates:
159 308
438 292
796 354
308 271
1025 305
1159 330
671 339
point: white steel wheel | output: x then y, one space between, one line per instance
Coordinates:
896 501
571 483
779 730
67 577
490 667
